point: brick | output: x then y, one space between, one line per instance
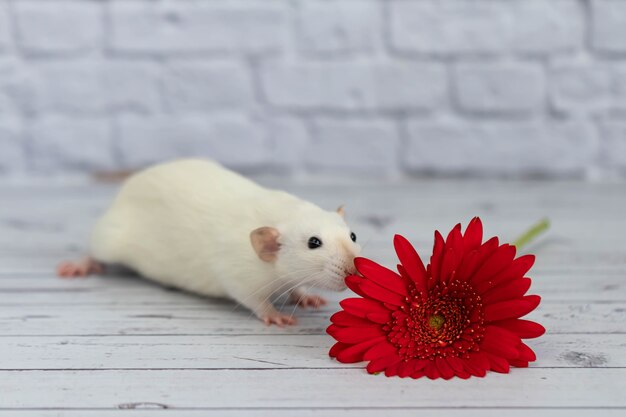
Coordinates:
614 143
236 141
350 86
608 25
16 80
338 27
5 29
206 87
499 89
353 147
158 27
619 87
12 146
62 26
6 103
507 148
580 87
545 27
447 27
95 87
287 139
71 144
485 26
8 77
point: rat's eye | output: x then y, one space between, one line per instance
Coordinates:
314 242
353 237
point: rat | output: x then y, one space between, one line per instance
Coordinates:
194 225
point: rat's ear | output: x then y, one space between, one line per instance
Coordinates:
265 243
341 210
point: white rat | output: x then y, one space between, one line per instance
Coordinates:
197 226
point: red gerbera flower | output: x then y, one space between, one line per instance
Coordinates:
458 316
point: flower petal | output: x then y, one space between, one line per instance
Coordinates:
467 266
499 348
380 364
526 353
383 348
431 371
497 262
380 318
502 335
354 353
377 292
420 364
509 290
518 268
453 253
353 282
477 364
406 368
337 348
455 363
473 236
463 374
345 319
361 307
444 368
472 263
354 334
392 370
498 364
381 275
436 258
525 329
411 261
417 374
511 309
518 363
448 265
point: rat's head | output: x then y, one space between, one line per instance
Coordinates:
313 247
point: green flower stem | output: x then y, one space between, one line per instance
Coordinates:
530 235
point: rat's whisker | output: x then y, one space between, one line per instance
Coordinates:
274 282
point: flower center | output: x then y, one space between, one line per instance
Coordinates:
436 321
446 321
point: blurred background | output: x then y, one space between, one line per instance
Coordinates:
313 88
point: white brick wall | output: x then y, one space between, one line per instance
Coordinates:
362 88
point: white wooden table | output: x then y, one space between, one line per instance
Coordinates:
118 345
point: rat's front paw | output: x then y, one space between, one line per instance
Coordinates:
278 319
307 300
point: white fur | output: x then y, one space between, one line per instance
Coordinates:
187 224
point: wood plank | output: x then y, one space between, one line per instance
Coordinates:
47 289
141 409
507 209
345 388
258 351
43 262
221 317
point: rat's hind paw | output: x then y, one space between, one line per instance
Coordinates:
278 319
82 268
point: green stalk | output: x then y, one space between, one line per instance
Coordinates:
530 235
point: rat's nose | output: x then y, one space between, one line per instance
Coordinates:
350 269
